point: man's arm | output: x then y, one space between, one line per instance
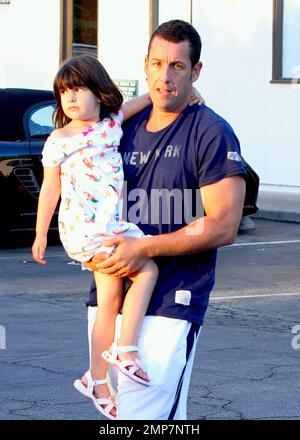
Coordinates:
223 205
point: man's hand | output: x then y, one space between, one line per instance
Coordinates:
92 264
129 257
196 97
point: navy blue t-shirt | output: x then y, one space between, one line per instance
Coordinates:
163 173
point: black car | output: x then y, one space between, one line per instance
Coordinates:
25 123
26 118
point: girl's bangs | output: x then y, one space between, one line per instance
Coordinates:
68 79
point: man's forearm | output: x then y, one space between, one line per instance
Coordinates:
202 235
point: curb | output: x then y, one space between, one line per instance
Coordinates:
280 216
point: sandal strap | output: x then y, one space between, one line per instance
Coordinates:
109 405
126 348
133 365
91 382
100 382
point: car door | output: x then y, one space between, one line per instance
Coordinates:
38 122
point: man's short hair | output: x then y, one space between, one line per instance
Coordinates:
177 31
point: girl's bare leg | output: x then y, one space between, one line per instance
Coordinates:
109 299
134 309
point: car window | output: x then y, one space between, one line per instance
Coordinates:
40 121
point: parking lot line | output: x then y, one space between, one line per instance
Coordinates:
258 243
221 298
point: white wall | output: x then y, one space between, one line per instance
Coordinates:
235 80
29 48
123 38
174 9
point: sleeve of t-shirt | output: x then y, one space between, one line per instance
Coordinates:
52 154
218 154
118 116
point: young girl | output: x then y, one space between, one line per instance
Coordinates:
82 165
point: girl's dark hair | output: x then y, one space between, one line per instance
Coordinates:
86 71
177 31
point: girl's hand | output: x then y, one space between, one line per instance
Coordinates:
196 98
38 249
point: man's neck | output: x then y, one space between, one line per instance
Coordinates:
159 120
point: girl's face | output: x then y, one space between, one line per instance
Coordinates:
80 104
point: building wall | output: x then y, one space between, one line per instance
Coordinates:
123 38
235 81
236 74
238 57
29 49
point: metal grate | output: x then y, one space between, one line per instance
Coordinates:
28 180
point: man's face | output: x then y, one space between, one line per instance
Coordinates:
170 74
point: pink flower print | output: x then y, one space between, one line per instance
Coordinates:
87 131
88 162
90 197
62 227
90 219
114 189
111 123
102 154
104 135
92 177
115 168
121 229
67 204
73 182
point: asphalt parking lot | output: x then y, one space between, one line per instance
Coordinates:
247 361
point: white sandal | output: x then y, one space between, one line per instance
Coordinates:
129 368
103 405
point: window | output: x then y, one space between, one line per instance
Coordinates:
79 27
40 120
85 26
4 2
286 41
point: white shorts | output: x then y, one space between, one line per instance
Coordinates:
167 348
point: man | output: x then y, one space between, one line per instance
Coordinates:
172 149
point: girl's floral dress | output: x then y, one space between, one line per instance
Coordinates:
91 187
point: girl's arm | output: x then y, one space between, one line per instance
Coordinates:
135 105
48 199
